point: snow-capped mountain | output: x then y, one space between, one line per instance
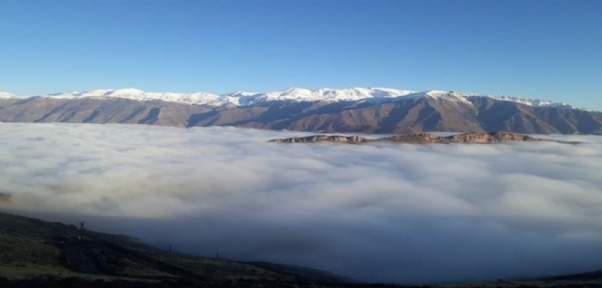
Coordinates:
135 94
242 98
6 95
365 110
531 102
326 94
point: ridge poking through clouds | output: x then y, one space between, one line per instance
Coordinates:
375 212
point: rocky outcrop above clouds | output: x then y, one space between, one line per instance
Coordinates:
421 138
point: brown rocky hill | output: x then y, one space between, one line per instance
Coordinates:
479 114
422 138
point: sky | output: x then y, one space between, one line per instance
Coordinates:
539 49
376 212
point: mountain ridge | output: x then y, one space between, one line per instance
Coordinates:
242 98
437 112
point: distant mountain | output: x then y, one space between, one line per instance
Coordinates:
367 110
241 98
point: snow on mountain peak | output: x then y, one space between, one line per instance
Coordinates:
135 94
531 102
240 94
127 91
242 98
6 95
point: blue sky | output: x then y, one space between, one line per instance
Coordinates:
542 49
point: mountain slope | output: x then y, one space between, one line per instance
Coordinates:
433 111
90 110
31 247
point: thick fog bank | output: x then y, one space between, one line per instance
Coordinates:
388 213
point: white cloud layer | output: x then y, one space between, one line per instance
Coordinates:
393 213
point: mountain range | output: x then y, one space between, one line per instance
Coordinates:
365 110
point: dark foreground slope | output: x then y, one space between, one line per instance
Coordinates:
35 253
446 114
31 248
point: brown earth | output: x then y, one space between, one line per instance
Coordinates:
421 138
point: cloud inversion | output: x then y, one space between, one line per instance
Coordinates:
382 212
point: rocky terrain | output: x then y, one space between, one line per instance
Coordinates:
422 138
441 111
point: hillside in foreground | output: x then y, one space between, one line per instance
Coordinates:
35 249
35 253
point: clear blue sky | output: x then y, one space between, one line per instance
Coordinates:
542 49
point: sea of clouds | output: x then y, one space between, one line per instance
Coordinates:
386 213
